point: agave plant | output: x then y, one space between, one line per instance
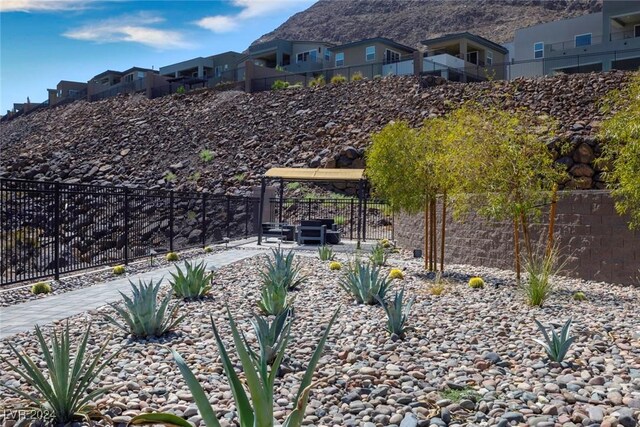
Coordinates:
281 270
397 313
274 298
256 408
325 253
378 255
556 345
142 315
195 282
365 282
270 335
69 386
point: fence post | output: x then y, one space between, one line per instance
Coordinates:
171 221
351 221
246 217
309 209
126 226
56 225
204 219
228 215
364 221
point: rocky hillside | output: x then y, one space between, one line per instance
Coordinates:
411 21
162 142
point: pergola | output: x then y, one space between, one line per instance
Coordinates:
319 175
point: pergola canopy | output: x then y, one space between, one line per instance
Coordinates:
318 174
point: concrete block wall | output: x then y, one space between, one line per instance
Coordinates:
593 238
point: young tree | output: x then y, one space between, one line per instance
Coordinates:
402 165
503 167
620 135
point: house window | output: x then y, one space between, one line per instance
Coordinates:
327 55
128 78
583 40
217 70
489 58
339 59
538 50
141 74
472 57
370 53
73 92
391 56
311 55
636 31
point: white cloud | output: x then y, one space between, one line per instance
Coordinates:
42 5
135 29
249 9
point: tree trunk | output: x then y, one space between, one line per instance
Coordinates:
426 236
444 222
516 246
434 243
552 219
527 237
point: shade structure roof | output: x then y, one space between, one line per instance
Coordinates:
318 174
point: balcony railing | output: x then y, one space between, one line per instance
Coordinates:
624 35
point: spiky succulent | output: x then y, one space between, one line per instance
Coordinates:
325 253
270 335
142 315
378 255
282 270
194 282
397 313
556 345
365 282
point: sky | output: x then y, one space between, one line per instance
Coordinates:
45 41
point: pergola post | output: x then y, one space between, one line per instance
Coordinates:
263 187
280 202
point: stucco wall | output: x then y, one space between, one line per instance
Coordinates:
595 240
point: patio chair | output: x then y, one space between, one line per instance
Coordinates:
311 231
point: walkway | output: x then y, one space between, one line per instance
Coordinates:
22 317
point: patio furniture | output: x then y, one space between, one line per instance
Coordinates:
332 235
282 231
311 231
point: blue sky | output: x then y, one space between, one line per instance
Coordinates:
45 41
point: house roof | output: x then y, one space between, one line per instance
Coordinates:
318 174
383 40
466 35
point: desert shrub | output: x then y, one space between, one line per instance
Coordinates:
293 186
170 177
339 220
556 345
119 269
318 81
357 76
206 155
142 315
579 296
181 90
258 381
540 269
194 282
396 273
397 313
279 84
476 283
335 265
68 383
338 79
365 282
378 255
325 253
172 256
41 288
438 286
208 249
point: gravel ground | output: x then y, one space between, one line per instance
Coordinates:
469 360
19 293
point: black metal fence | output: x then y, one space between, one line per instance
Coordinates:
357 219
51 228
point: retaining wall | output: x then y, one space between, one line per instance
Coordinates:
595 240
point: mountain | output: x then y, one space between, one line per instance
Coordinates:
411 21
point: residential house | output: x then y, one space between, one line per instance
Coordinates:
294 56
370 57
464 57
111 83
596 42
211 70
67 91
